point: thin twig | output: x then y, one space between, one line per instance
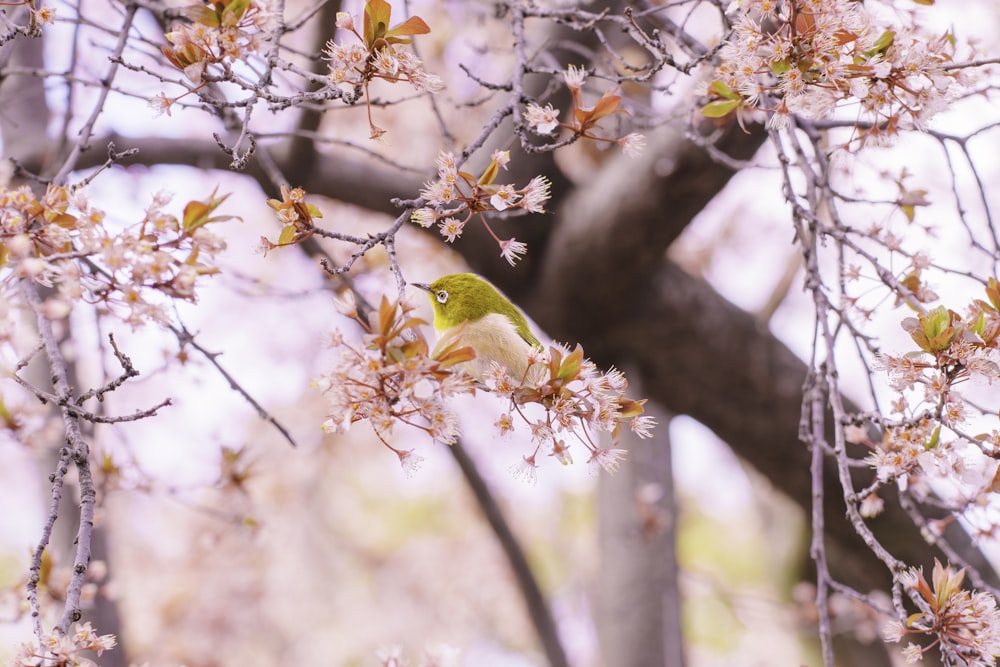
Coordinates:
185 337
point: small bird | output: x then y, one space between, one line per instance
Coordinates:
494 327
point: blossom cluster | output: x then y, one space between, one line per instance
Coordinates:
584 119
903 447
455 197
350 67
38 15
219 32
952 348
296 218
579 402
965 624
65 650
806 57
395 378
59 240
376 56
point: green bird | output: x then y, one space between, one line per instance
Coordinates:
494 327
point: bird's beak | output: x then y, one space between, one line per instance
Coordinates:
424 286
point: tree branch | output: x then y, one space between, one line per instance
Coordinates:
538 609
702 356
77 451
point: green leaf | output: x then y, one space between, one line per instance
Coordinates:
287 236
935 439
719 108
194 213
934 332
489 174
722 89
377 13
979 326
935 321
395 355
882 44
780 66
570 366
198 214
236 8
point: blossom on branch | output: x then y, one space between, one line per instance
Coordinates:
455 197
965 623
218 32
65 649
395 378
809 58
296 218
584 119
541 120
925 444
578 400
354 66
60 240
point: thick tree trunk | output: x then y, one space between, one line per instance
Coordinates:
636 589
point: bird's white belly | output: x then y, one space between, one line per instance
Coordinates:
494 338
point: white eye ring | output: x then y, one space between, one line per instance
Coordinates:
442 296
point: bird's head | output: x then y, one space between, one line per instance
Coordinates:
462 297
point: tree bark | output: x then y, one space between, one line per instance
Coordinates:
25 116
636 592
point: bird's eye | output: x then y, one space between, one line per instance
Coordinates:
442 296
